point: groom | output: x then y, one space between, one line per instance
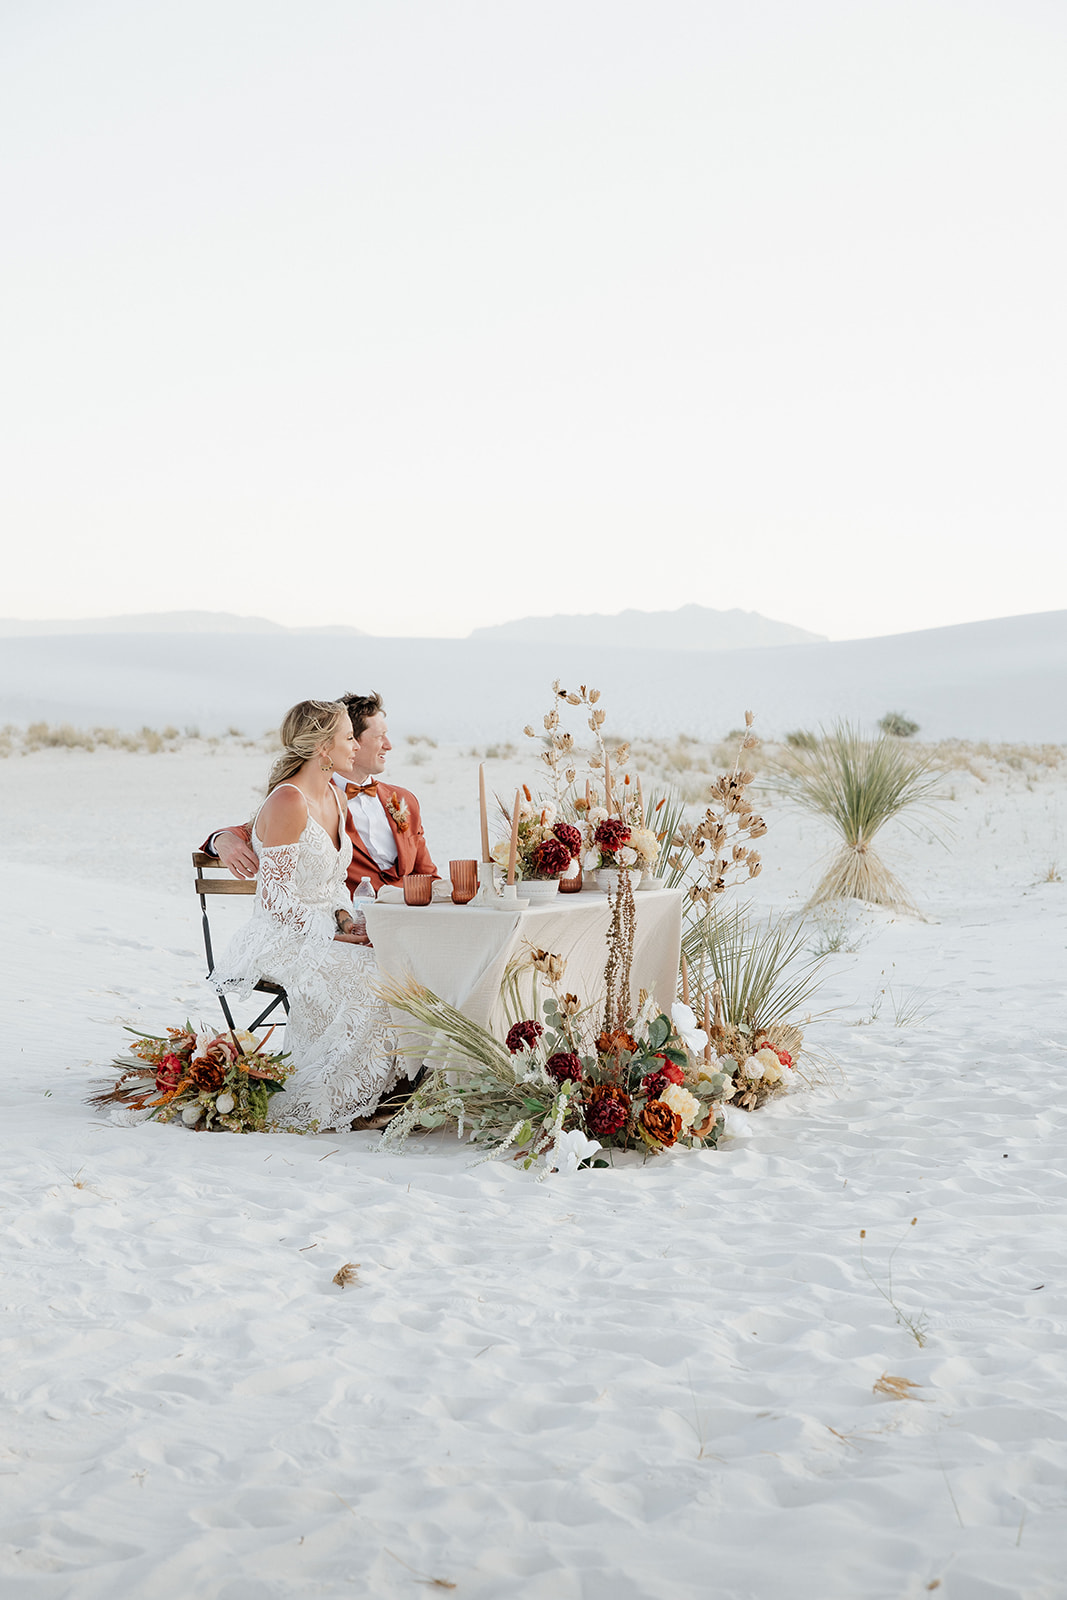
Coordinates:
383 821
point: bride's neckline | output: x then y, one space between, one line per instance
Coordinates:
336 848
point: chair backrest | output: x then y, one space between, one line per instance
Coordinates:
227 885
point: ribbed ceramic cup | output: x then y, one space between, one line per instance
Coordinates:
418 887
464 875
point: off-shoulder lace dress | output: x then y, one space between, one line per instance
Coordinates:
339 1032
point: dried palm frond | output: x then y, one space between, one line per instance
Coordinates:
131 1090
858 785
765 978
346 1275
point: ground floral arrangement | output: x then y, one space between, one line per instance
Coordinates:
209 1080
569 1090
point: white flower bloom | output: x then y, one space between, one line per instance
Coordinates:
548 815
501 851
202 1042
591 860
768 1057
693 1038
597 815
753 1069
225 1104
686 1105
191 1115
570 1150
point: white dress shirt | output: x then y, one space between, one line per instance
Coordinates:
372 825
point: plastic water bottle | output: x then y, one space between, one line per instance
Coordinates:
364 890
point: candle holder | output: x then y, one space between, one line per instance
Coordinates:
418 888
464 876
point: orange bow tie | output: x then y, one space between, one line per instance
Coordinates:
352 789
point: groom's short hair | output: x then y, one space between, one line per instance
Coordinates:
361 707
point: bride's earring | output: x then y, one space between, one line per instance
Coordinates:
324 766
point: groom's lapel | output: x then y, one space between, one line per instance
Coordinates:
401 838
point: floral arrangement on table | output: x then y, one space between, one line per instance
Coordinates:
545 844
559 1092
209 1080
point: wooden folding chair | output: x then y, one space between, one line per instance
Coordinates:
202 862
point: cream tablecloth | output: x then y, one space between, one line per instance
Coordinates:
460 952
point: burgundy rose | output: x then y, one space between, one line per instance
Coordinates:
607 1109
654 1085
569 836
611 835
564 1066
523 1036
168 1073
550 858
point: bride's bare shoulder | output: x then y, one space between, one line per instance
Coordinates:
282 816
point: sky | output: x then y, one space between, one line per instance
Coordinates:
419 315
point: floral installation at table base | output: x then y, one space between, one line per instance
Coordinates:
565 1091
210 1080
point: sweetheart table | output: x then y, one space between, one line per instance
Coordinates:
461 952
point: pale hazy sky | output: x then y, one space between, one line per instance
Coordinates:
419 314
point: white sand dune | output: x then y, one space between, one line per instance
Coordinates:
999 680
654 1381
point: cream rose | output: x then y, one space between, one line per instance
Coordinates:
686 1105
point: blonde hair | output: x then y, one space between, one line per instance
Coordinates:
304 730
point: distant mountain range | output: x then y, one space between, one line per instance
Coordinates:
689 628
160 622
1003 679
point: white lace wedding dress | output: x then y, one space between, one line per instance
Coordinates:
339 1033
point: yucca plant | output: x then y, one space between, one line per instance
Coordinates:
764 976
858 785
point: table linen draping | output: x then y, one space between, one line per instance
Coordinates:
461 952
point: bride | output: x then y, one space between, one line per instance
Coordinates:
301 933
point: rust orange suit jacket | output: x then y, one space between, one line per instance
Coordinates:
412 852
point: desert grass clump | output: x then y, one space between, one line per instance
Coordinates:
858 785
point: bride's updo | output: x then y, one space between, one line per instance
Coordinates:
304 730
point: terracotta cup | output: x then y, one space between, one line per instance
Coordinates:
418 887
571 881
464 875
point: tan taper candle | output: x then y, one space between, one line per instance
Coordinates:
514 848
485 815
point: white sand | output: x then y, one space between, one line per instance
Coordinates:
648 1382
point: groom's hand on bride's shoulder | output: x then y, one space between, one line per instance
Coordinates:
235 854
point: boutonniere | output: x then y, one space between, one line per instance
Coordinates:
398 810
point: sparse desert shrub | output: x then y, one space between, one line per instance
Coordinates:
422 738
801 739
896 726
858 785
501 752
169 732
40 736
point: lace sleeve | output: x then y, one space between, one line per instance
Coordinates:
276 894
